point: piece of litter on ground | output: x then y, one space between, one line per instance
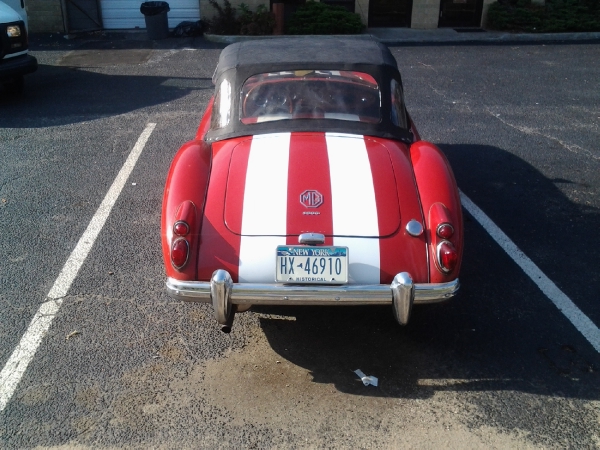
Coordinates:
70 335
367 380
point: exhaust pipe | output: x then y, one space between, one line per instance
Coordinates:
226 327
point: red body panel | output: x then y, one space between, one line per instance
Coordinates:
187 181
436 184
220 247
308 168
317 165
396 256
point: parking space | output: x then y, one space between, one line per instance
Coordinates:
520 128
123 365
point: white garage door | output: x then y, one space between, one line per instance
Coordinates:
125 14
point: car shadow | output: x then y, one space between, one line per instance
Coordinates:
60 95
124 40
500 334
71 92
550 219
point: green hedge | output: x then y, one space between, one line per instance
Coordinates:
320 18
553 17
228 21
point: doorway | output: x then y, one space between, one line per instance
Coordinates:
83 15
390 13
460 13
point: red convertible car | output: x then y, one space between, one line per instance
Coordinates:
308 184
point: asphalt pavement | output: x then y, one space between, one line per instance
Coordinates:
124 366
389 36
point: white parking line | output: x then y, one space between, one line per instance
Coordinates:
23 354
582 322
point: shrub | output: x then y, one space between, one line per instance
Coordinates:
226 21
554 16
260 22
320 18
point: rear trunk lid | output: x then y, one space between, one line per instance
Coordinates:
334 184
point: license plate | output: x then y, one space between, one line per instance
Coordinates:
311 265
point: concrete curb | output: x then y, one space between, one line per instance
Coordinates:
398 36
490 37
224 39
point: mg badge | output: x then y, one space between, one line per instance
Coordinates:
311 198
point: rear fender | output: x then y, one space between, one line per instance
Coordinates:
440 202
183 200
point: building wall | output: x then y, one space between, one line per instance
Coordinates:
425 14
126 15
45 16
486 6
361 7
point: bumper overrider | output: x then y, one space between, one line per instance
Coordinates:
226 296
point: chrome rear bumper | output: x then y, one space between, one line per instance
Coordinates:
225 295
284 294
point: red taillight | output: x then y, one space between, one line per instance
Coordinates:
447 256
445 231
181 228
180 250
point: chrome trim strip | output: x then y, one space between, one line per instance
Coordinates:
311 238
284 294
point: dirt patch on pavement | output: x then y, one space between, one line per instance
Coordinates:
104 58
259 387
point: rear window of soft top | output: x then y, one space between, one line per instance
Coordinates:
310 94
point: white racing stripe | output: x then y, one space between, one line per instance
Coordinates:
582 322
354 206
15 367
266 185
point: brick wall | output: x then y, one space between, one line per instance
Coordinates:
45 16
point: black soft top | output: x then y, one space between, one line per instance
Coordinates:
317 52
241 60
